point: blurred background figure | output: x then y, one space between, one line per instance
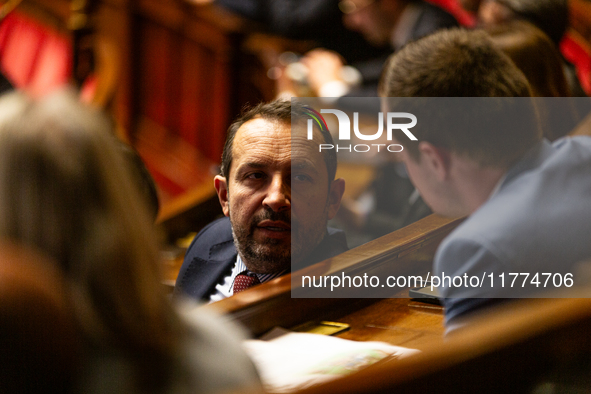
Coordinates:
538 58
550 16
141 177
38 335
383 23
361 33
317 20
534 54
66 191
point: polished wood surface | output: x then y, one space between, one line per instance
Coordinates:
398 321
511 348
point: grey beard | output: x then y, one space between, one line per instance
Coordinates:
267 257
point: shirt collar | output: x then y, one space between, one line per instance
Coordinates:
241 267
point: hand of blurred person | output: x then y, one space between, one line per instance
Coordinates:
325 73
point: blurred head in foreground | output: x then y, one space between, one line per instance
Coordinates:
38 336
65 190
534 54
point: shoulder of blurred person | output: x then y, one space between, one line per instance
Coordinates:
432 18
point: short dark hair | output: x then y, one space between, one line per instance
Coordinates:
461 63
282 111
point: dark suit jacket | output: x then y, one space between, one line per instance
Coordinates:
212 255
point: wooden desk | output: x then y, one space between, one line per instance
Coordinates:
507 349
398 321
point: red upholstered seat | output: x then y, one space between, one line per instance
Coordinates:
35 57
463 17
577 51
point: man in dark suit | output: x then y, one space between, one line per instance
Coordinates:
278 191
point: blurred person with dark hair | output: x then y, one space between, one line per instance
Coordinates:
534 54
527 200
390 23
65 191
537 57
550 16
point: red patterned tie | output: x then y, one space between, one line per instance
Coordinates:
244 281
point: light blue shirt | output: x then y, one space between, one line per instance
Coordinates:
537 221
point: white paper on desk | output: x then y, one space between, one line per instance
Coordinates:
289 360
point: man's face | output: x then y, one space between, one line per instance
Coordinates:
276 212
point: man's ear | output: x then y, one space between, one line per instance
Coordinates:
221 188
335 194
437 159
